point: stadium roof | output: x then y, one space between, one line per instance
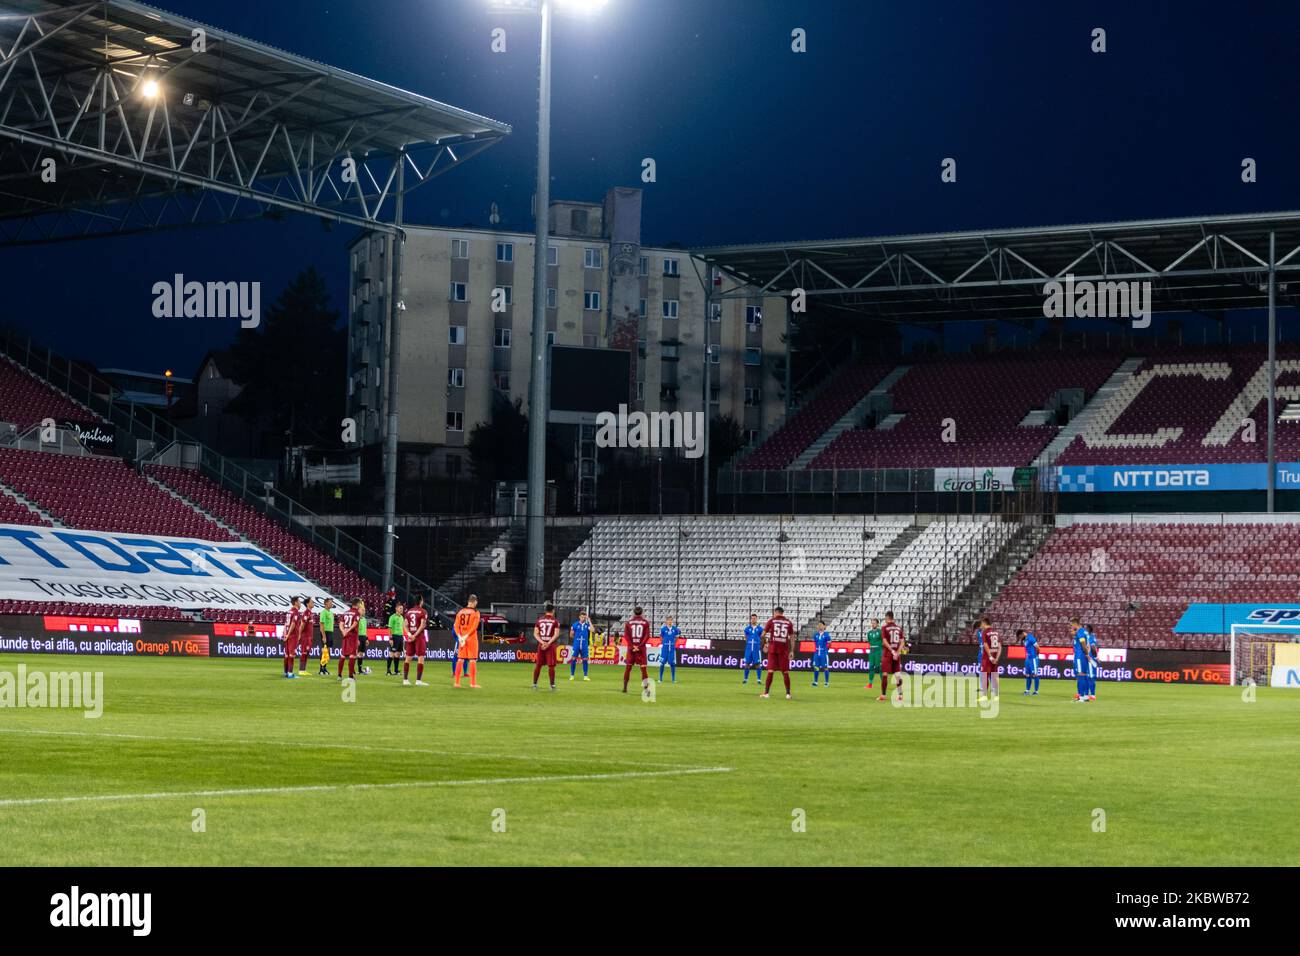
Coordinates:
235 130
1200 264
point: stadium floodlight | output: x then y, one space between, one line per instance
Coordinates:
538 406
150 88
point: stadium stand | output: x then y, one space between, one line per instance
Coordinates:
931 571
728 567
102 494
13 511
1097 569
262 531
831 401
1188 408
987 398
25 400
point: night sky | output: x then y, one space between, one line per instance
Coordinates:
753 142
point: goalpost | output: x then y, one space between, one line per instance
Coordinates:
1253 650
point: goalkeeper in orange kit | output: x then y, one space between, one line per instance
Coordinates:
466 629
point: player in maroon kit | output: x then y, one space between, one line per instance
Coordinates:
417 641
891 635
292 621
778 635
991 641
636 632
306 630
348 623
546 632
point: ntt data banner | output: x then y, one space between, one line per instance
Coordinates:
99 567
1252 476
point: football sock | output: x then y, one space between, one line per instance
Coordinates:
746 677
1035 683
473 672
672 670
419 669
455 671
584 667
573 667
997 685
645 674
406 670
302 666
550 672
768 686
352 667
786 675
288 662
627 673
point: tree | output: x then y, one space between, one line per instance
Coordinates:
726 438
498 449
293 366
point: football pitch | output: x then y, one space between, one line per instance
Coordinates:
211 763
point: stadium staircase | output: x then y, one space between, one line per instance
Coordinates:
953 623
1080 421
848 420
17 508
466 580
864 579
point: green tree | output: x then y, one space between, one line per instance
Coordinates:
293 366
498 449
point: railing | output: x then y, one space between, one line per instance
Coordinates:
142 422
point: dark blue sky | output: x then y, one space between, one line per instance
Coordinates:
753 142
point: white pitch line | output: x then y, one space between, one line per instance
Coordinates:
326 788
249 742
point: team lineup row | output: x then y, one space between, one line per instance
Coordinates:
773 641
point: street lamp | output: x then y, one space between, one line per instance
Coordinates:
538 406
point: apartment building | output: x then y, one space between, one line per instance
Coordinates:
466 338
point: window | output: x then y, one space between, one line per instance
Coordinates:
591 301
552 256
753 316
644 266
552 298
751 436
456 335
501 381
640 391
459 292
578 220
640 347
509 291
591 259
550 338
715 311
670 267
455 378
505 252
460 248
589 341
753 397
715 354
670 308
502 339
753 356
668 351
455 421
642 307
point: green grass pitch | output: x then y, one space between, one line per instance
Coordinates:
288 773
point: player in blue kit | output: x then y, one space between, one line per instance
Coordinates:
668 635
753 648
1082 662
979 648
579 645
1031 661
1092 662
821 660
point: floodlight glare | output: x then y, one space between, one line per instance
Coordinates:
150 88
